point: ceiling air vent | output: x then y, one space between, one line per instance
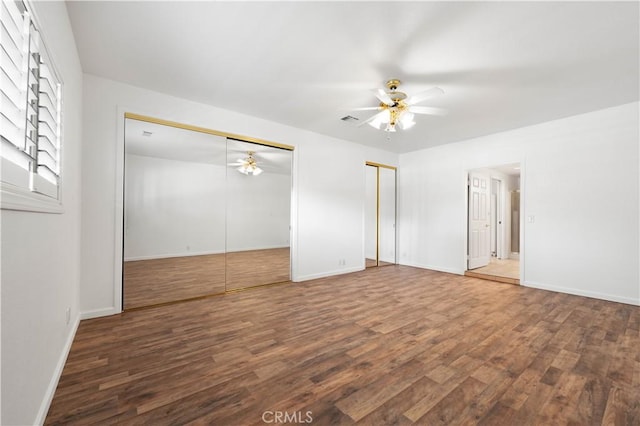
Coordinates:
349 119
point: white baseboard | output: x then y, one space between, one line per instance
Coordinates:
241 249
170 255
102 312
327 274
57 373
433 268
585 293
514 256
199 253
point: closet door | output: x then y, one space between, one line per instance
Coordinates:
387 216
371 216
258 215
380 215
174 214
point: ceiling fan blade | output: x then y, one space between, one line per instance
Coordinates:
366 109
419 97
428 110
373 117
384 97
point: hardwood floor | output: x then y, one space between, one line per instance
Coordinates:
393 345
157 281
501 270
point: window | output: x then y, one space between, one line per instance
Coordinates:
30 114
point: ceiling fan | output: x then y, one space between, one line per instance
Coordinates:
396 109
247 166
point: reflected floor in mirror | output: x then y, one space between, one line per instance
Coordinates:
158 281
372 262
257 267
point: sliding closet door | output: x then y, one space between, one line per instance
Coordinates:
371 217
258 214
174 214
380 215
387 216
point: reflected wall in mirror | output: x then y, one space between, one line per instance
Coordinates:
174 214
258 214
380 215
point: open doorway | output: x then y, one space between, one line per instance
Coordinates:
493 223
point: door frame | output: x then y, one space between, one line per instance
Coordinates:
497 231
464 178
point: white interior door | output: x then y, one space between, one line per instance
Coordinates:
479 221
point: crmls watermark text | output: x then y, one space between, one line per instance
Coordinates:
286 417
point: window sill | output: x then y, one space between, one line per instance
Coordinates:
15 198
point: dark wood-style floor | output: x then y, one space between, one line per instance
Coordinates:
157 281
393 345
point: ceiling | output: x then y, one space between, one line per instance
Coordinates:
502 65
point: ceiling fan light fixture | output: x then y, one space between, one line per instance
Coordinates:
381 119
249 170
249 166
407 120
396 108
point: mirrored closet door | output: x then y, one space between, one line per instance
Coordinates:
386 216
203 214
380 215
258 214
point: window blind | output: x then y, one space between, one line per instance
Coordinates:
30 114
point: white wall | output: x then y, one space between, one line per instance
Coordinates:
173 208
328 194
35 334
580 182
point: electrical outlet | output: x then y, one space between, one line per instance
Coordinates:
68 313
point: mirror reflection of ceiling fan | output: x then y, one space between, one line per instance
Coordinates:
396 109
247 166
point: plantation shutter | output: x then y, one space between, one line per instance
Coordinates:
30 111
